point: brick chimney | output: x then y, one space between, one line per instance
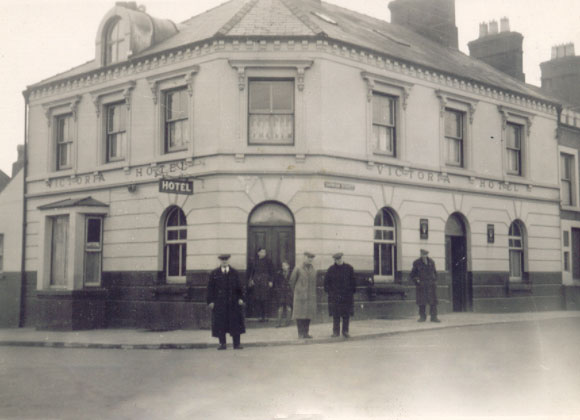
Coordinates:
561 75
501 48
16 166
434 19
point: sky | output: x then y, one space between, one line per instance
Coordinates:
40 38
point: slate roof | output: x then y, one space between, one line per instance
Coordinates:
243 19
69 202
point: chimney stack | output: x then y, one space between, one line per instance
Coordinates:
434 19
500 49
561 75
16 166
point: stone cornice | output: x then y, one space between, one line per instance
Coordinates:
311 44
299 65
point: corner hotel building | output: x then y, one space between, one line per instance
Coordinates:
294 125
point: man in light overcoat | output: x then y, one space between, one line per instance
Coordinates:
303 283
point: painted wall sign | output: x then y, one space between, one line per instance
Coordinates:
176 186
339 185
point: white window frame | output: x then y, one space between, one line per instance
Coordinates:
399 90
524 119
108 59
54 110
160 84
271 69
102 98
93 248
451 101
521 249
182 243
575 177
381 278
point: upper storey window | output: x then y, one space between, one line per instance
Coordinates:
271 112
114 45
176 120
384 123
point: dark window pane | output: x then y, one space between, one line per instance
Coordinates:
376 258
172 235
173 259
94 230
183 234
386 260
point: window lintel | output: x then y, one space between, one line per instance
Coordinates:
186 75
300 66
373 79
125 89
449 99
509 114
70 105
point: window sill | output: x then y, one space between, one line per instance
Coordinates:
570 208
379 158
457 170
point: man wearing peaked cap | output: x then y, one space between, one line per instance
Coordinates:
225 300
424 275
340 284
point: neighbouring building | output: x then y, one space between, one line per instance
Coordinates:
561 79
293 125
11 211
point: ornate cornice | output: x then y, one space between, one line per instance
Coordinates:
125 89
299 66
445 97
506 112
310 44
186 74
373 79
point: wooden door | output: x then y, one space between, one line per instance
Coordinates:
576 253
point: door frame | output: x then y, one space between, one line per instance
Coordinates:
464 301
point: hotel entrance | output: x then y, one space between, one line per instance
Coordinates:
456 246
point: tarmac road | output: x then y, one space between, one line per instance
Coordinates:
522 369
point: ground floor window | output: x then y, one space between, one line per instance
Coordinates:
175 245
516 251
59 250
93 251
385 245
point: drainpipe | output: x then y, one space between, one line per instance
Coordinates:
24 175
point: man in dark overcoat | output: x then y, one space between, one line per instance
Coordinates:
225 298
424 275
340 284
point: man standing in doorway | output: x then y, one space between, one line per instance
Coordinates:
303 283
424 275
340 284
225 299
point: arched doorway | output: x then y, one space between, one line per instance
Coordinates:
271 226
456 247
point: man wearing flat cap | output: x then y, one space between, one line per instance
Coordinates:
225 298
424 275
303 283
340 285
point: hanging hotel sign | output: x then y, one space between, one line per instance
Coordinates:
176 186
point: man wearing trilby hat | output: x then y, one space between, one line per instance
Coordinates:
303 283
424 275
225 299
340 284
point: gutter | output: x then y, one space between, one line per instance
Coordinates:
21 320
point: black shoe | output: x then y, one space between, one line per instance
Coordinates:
307 336
421 320
222 347
435 320
239 347
335 335
346 335
279 326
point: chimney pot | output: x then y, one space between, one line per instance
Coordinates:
504 24
554 52
493 27
570 49
482 29
561 51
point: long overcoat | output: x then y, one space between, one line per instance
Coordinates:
425 278
303 283
261 273
225 290
340 284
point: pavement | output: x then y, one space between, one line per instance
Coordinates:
262 336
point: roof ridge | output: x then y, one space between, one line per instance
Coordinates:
303 17
237 17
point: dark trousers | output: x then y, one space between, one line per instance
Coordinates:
236 339
260 306
303 326
432 311
336 324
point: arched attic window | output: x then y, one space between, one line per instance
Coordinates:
114 49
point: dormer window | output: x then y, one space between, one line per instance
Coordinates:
114 42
